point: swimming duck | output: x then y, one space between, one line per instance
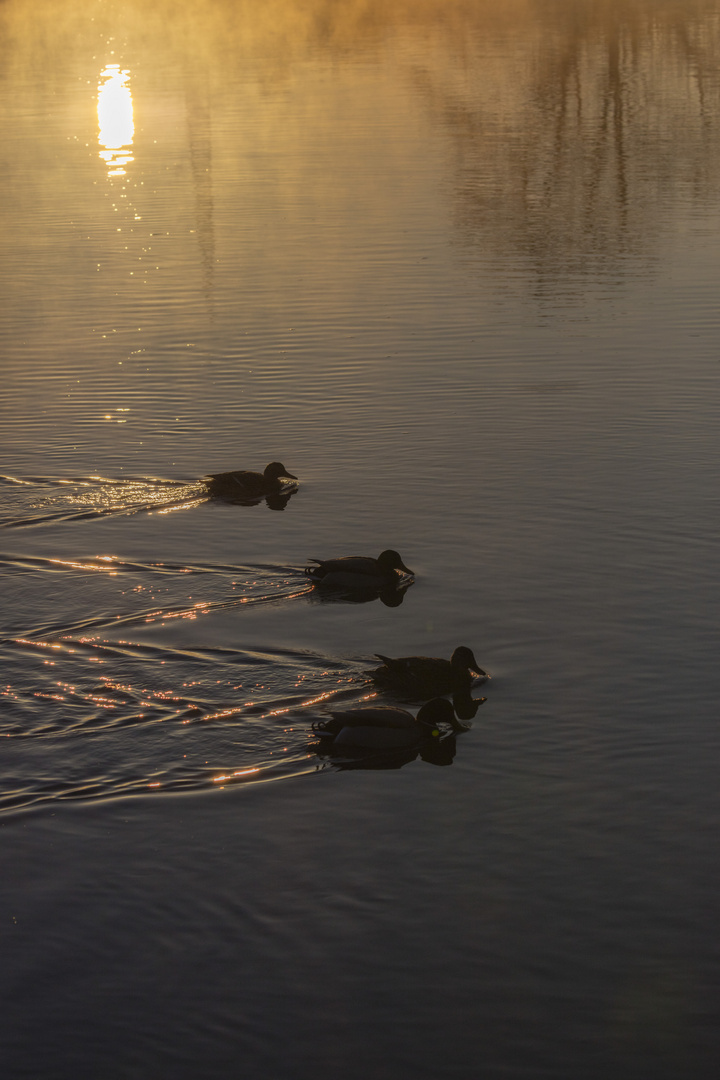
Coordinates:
425 676
358 571
383 727
244 484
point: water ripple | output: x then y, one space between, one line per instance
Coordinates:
90 711
89 497
90 717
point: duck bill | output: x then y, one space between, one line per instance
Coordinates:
406 569
289 476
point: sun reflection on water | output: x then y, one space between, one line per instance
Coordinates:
115 118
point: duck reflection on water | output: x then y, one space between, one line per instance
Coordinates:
390 595
422 677
248 488
465 705
433 751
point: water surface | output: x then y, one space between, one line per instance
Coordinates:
455 267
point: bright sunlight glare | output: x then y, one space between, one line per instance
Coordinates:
115 117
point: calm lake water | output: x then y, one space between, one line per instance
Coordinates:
456 265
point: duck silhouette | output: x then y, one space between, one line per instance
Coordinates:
243 484
427 676
358 571
385 727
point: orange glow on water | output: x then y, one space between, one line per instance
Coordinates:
232 776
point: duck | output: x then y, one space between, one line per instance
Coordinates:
385 727
246 484
358 571
426 676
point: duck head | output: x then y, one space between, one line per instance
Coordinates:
390 560
275 470
463 659
437 711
